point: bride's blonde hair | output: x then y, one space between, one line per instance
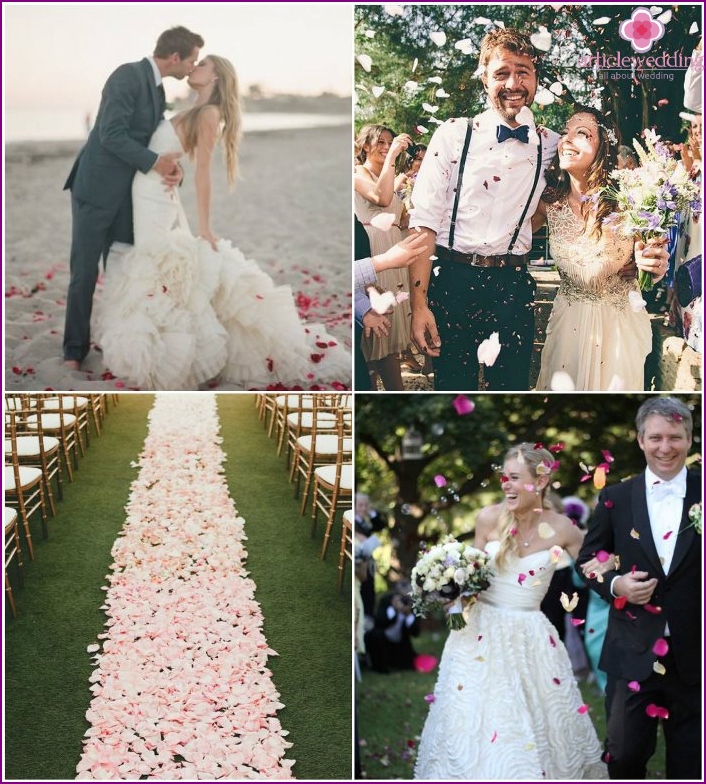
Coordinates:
538 462
226 97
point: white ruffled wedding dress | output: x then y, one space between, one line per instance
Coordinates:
506 705
176 314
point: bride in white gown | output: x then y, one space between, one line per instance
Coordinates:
179 310
506 705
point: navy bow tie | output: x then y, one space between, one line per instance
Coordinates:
521 133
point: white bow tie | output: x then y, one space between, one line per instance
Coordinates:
662 489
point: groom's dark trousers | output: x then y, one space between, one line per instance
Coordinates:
100 182
621 525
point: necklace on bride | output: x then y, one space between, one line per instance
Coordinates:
527 539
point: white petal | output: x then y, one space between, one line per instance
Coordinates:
481 20
603 20
665 18
435 121
694 28
655 9
542 40
394 10
381 303
435 79
401 296
411 85
489 349
370 33
436 271
562 382
383 220
557 88
429 108
499 23
366 61
422 129
93 648
544 97
441 93
616 384
378 91
463 43
438 37
415 64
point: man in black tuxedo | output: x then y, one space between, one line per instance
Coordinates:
652 648
389 644
100 180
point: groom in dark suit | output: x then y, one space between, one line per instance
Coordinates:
652 648
100 181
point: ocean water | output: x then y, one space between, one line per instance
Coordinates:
20 125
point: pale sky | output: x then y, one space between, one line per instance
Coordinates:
59 55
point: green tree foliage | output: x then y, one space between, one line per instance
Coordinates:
413 67
467 450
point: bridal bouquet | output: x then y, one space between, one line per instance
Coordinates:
449 572
650 196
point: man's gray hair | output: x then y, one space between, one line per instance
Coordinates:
668 407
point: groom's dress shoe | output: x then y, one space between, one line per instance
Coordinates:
72 364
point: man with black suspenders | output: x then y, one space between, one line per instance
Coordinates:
474 197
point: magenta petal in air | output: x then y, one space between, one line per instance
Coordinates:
425 662
660 647
463 405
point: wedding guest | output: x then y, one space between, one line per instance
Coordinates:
475 193
506 706
367 320
599 333
389 643
627 158
652 649
376 151
404 181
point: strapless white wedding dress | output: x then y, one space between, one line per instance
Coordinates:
506 705
176 314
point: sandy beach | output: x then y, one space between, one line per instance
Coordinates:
290 211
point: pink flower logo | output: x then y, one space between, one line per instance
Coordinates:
641 30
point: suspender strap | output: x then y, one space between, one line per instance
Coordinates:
537 170
462 165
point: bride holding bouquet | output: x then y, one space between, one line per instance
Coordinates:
506 705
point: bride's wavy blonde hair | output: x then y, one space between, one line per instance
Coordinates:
227 98
538 461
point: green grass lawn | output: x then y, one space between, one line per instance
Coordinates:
391 711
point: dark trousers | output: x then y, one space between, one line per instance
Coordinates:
92 232
470 303
632 734
362 373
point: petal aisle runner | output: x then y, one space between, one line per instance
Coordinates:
181 687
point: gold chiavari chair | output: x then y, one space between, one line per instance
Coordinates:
34 448
24 490
76 405
61 425
13 552
346 551
333 488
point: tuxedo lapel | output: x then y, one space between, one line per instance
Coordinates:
687 534
641 520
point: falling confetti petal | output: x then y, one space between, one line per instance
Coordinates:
557 88
665 18
583 708
545 531
365 61
378 91
429 698
441 93
521 578
659 668
495 736
440 481
635 534
694 28
381 303
569 604
489 349
422 129
650 608
435 79
463 405
655 712
481 20
542 40
603 20
660 647
438 37
394 10
415 64
634 686
436 271
555 553
602 556
562 382
578 621
383 221
429 108
599 478
619 602
411 85
544 97
370 33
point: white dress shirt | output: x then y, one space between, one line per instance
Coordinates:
155 71
665 513
497 181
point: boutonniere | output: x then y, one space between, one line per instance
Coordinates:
695 519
